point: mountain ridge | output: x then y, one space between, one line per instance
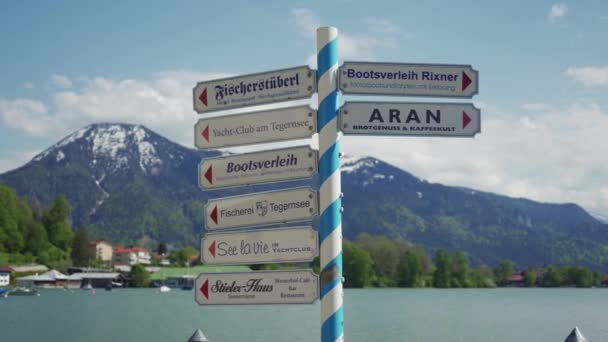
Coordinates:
131 184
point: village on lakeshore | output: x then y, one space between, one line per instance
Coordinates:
114 266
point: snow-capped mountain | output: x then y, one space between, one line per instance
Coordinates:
108 148
128 183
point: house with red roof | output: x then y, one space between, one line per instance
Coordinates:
130 256
517 279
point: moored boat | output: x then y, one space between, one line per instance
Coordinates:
23 291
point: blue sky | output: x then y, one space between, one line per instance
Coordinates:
543 77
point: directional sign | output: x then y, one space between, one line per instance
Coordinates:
263 287
260 246
254 89
413 119
254 128
408 79
258 167
298 204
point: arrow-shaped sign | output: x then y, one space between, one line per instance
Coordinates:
260 246
256 127
213 215
205 133
262 208
203 97
205 289
259 287
410 119
466 81
258 167
403 79
209 174
254 89
466 119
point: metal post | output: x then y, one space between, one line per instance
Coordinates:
330 203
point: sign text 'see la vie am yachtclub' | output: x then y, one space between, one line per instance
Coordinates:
254 89
401 79
410 119
258 167
261 246
257 127
257 287
262 208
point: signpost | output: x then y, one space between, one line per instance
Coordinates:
401 79
263 287
302 244
298 204
257 167
260 246
254 89
257 127
410 119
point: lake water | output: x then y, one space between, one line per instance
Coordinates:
471 315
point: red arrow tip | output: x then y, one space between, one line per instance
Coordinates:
209 174
214 214
212 249
203 97
466 81
466 119
205 289
205 133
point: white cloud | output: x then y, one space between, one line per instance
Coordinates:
351 46
60 81
28 85
163 103
537 107
307 21
28 115
381 25
555 155
590 76
557 11
604 17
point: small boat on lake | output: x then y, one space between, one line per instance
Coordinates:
164 289
23 291
3 292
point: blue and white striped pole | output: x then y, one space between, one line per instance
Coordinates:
330 231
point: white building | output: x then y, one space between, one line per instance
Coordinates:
130 256
5 276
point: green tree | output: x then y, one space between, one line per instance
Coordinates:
35 237
441 276
11 235
580 277
482 276
57 224
530 277
139 277
409 271
385 254
459 270
553 277
357 265
182 256
503 272
81 253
